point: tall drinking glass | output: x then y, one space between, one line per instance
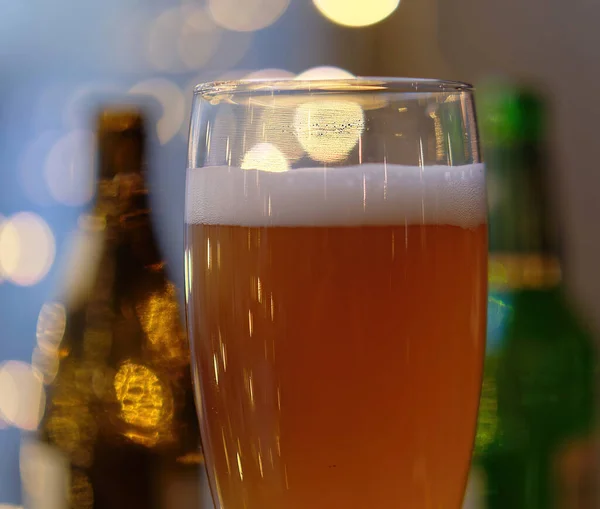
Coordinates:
336 291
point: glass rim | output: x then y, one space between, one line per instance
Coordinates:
258 87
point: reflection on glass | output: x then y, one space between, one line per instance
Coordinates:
329 130
265 157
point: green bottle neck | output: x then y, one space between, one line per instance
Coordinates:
519 216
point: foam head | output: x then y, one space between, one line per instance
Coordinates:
369 194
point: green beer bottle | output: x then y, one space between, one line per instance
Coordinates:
537 405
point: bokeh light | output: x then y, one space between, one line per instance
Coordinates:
69 168
246 15
182 38
46 363
163 34
265 157
50 330
199 38
51 325
27 249
269 74
325 72
22 396
171 99
356 13
329 129
277 127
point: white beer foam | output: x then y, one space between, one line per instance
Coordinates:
369 194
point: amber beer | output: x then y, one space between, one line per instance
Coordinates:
338 355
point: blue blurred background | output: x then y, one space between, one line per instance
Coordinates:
58 56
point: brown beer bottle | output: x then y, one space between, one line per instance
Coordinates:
120 428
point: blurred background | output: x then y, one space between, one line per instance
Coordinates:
57 57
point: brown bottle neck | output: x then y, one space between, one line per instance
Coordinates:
123 208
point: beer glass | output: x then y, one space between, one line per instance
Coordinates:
336 290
